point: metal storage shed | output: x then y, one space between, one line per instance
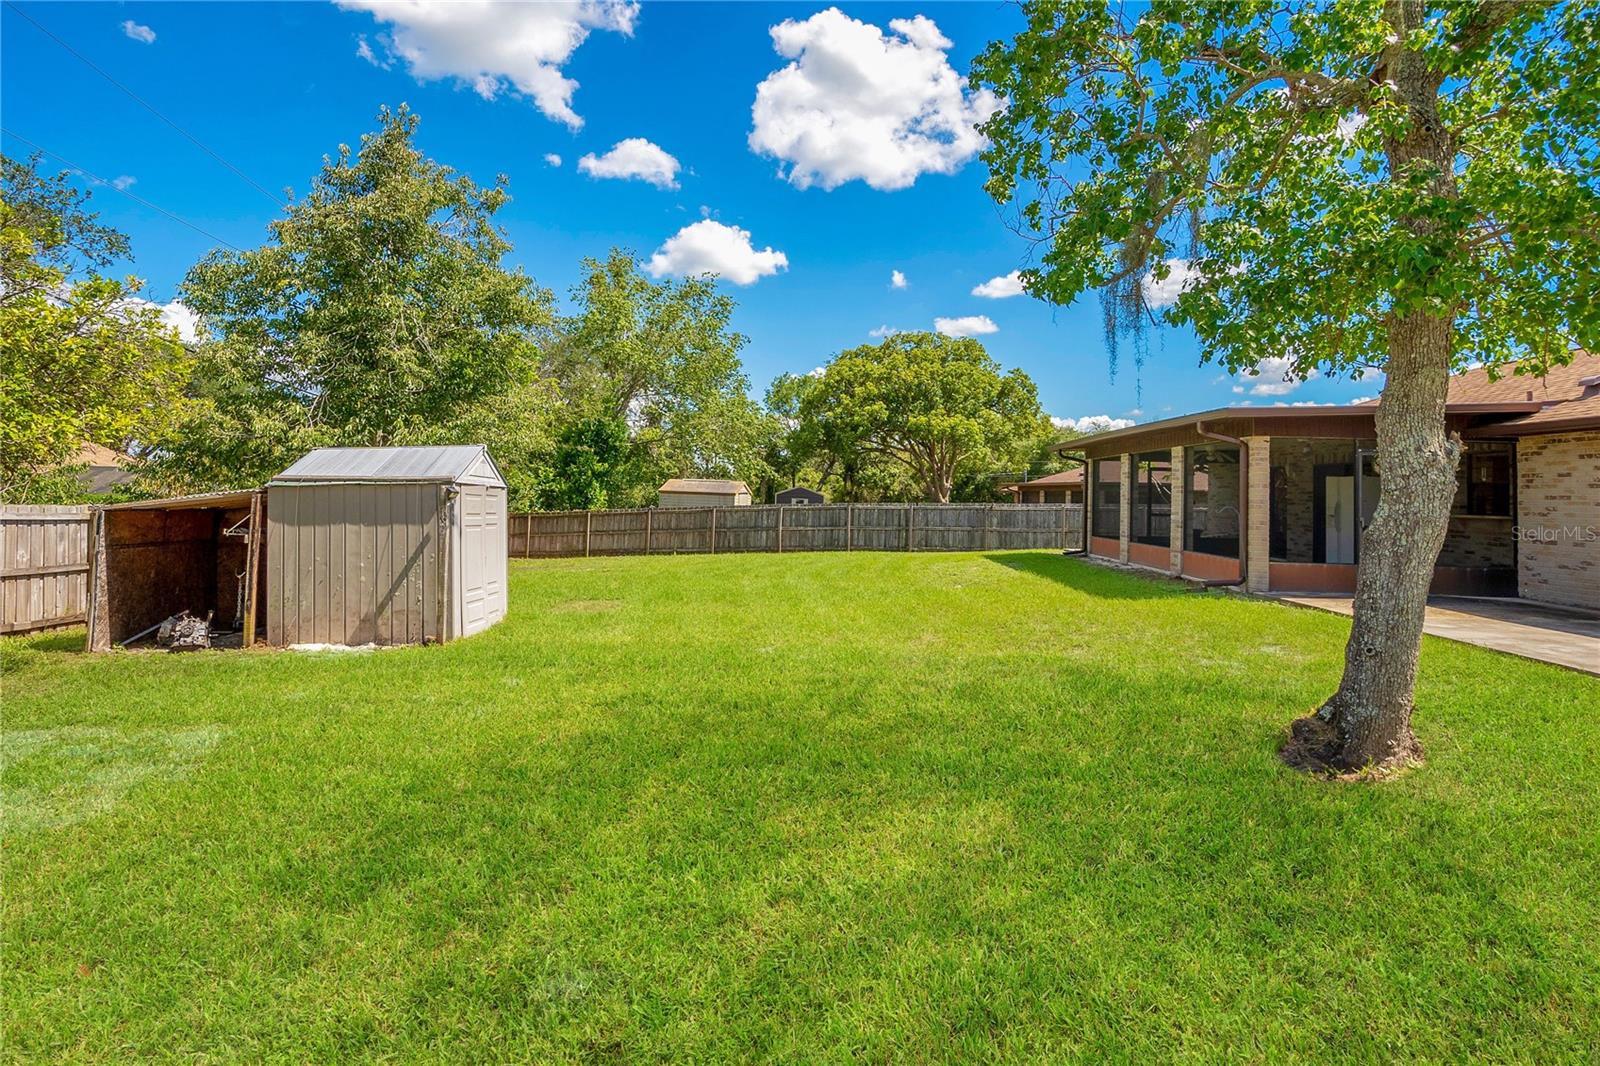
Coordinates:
385 546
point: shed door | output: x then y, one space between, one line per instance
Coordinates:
483 557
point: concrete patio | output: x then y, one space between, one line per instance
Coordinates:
1561 635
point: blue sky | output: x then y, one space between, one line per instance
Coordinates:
272 87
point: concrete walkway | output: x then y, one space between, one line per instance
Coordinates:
1564 636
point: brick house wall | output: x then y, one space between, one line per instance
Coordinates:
1558 518
1478 541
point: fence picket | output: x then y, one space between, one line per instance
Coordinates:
44 566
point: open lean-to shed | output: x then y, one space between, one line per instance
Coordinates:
385 546
347 546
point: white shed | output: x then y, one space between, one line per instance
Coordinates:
704 492
385 546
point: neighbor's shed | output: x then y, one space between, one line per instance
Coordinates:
385 546
704 492
797 495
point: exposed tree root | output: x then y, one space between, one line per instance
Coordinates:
1314 746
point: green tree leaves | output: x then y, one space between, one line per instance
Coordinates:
378 314
930 403
82 359
1273 151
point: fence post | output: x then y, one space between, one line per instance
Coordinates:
988 527
911 525
780 529
1063 527
588 528
713 531
649 513
849 525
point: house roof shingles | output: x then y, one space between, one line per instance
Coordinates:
1565 397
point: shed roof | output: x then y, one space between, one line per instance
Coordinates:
445 462
712 486
227 499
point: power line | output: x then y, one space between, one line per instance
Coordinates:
110 185
144 103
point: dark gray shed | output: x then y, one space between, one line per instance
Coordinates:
798 495
385 546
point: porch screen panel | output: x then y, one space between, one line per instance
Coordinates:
1151 513
1106 520
1214 484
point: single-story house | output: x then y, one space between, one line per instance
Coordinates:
1065 486
797 495
1277 498
704 492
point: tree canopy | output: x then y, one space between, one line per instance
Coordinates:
929 403
1265 157
379 313
660 357
83 360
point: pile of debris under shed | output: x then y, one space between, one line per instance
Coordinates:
182 632
349 546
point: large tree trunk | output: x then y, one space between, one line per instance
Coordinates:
1367 722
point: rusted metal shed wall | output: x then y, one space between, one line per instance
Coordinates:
356 563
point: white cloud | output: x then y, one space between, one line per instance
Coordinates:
1002 287
897 280
1091 423
856 102
817 372
1271 378
709 247
123 181
966 326
142 34
884 331
1165 293
173 314
495 48
634 158
552 159
364 51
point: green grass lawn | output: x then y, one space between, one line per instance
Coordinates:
804 808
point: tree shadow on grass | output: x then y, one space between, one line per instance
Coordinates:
1091 580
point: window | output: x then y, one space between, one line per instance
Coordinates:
1483 480
1151 513
1107 517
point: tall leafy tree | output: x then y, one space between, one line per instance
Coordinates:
591 465
928 403
379 313
1404 186
662 357
82 358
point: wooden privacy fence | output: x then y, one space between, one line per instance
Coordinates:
44 573
800 528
